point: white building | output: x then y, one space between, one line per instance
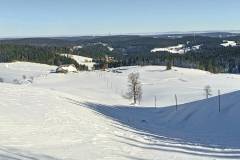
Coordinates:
66 68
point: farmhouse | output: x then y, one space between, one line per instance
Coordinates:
66 68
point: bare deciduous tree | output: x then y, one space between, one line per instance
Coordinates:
208 91
31 79
24 77
134 88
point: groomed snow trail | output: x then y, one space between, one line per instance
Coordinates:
42 122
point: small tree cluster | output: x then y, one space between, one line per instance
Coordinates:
208 91
169 62
168 65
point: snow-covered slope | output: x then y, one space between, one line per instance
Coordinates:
108 87
84 116
16 71
77 47
105 45
179 49
229 43
82 60
63 126
45 122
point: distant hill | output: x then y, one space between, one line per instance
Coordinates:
127 50
152 39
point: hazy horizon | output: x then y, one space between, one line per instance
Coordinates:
122 34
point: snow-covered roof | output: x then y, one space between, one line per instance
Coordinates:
66 68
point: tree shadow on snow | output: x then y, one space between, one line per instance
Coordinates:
196 128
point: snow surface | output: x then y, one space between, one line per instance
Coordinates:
229 43
82 60
84 115
110 48
179 49
77 47
197 47
105 45
15 71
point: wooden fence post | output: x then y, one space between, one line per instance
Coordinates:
176 102
219 101
155 101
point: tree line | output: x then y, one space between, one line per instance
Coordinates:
212 58
37 54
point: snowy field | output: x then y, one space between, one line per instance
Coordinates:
84 115
82 60
229 43
179 49
16 71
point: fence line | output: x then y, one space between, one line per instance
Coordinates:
176 100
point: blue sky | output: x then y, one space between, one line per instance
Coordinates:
29 18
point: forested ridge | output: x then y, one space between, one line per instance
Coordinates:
46 55
127 50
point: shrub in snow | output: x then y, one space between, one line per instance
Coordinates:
168 65
169 62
